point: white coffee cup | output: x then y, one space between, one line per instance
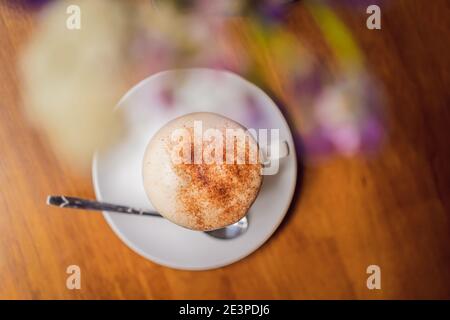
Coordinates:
198 194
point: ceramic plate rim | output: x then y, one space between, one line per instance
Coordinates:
176 266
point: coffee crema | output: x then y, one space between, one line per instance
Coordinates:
201 195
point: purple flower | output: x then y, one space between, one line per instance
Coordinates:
32 4
345 118
317 144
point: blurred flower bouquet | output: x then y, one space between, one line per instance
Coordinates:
73 79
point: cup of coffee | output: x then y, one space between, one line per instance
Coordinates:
203 171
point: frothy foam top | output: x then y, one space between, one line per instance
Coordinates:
199 196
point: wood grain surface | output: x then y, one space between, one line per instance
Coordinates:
392 210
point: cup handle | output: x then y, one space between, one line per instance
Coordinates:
282 152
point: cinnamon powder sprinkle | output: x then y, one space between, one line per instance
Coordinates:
217 195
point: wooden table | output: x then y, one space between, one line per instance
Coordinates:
392 210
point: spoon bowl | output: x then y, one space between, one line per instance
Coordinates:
230 232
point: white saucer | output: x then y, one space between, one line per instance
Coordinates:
117 172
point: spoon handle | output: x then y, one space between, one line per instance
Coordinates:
84 204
